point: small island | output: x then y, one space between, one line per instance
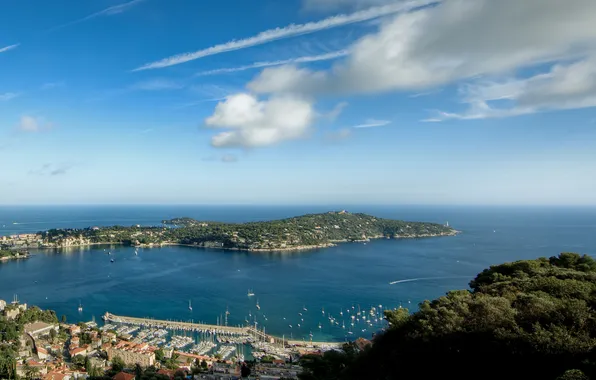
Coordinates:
297 233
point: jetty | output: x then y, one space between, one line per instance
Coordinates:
254 332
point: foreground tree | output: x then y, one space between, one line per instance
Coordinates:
531 319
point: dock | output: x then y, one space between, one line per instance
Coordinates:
219 329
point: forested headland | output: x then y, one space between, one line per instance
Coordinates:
530 319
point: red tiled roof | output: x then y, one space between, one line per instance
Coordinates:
123 376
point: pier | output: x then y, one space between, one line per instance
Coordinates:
259 335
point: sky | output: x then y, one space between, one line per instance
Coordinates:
447 102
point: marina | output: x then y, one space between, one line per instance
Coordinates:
205 339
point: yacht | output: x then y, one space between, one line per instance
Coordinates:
80 307
250 293
189 305
258 306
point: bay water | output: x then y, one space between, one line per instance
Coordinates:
292 288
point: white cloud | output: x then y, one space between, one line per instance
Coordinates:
336 111
115 9
9 47
256 65
254 123
8 96
32 124
371 123
288 31
565 86
455 40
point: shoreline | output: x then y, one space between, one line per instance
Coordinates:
284 249
10 258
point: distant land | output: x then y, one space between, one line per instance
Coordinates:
297 233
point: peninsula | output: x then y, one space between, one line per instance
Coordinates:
9 254
297 233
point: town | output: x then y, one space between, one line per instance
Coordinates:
41 346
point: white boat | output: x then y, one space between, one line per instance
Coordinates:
80 307
258 306
189 305
250 293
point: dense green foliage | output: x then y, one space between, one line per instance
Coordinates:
531 319
12 254
11 330
307 230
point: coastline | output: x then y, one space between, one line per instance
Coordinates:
10 258
280 249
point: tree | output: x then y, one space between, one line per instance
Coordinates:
179 375
195 368
63 318
80 361
573 374
138 371
397 317
87 364
30 372
171 363
52 335
117 364
529 319
244 370
204 364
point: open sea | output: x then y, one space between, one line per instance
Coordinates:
160 282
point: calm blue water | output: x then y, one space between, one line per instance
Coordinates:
159 282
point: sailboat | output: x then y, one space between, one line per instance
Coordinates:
80 307
258 306
189 305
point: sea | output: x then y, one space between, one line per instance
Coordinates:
298 292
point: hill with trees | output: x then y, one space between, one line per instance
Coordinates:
531 319
301 232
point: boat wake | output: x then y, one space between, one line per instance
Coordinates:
427 278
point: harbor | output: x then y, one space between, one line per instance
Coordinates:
225 342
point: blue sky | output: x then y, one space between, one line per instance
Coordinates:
298 101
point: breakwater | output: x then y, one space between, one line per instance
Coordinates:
257 334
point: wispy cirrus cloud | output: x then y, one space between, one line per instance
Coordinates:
257 65
289 31
8 96
113 10
8 48
371 123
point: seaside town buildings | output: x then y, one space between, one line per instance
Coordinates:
132 353
49 351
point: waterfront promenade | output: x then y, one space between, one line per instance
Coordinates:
219 329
